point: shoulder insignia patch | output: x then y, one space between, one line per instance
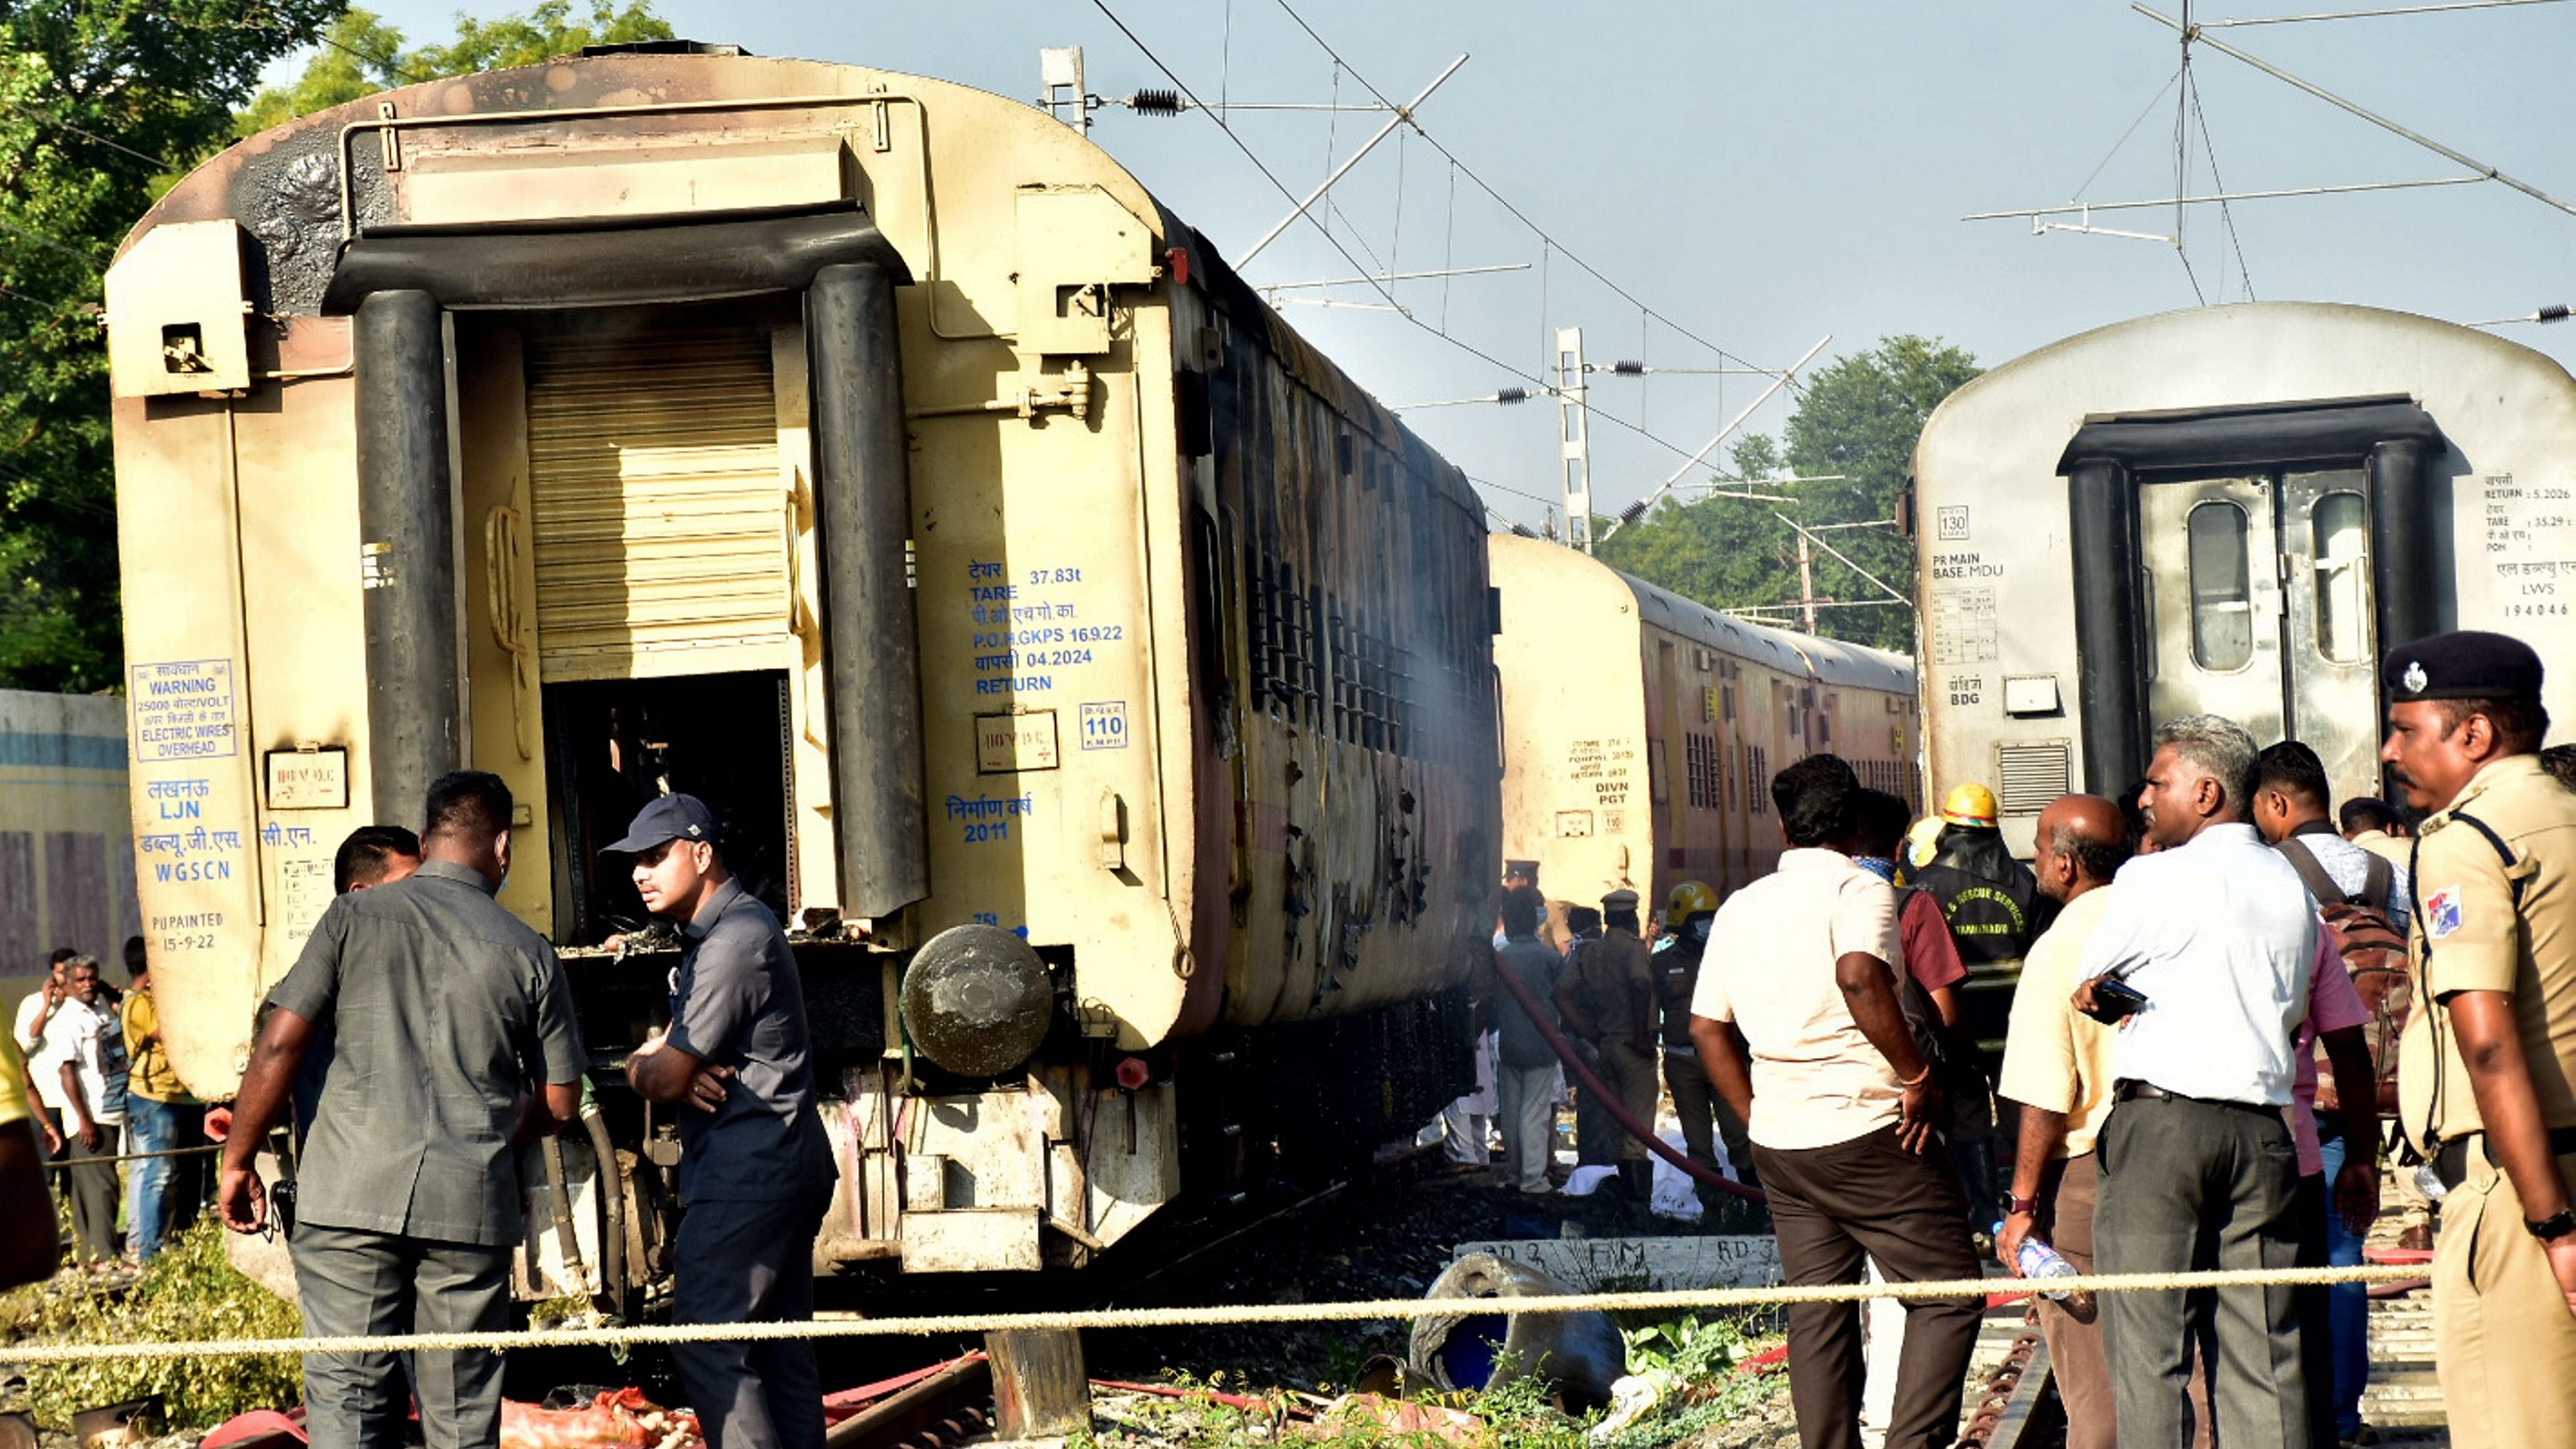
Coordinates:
2442 912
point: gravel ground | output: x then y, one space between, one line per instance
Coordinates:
1387 1241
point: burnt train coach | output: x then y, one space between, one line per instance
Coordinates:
2233 510
1642 729
1097 682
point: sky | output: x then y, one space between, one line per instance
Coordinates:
1766 176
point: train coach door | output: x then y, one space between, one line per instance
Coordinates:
2258 591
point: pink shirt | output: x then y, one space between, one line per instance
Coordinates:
2332 1006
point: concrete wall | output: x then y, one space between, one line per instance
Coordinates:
66 835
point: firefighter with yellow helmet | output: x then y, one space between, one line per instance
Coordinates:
1992 900
1995 911
1687 913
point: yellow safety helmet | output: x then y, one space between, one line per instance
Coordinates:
1690 898
1923 841
1970 804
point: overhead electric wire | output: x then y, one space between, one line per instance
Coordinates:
1282 187
1506 204
2218 183
88 135
2141 119
2372 14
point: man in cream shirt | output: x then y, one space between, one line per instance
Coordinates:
2057 1065
1842 1110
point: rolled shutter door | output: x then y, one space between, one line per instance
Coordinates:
660 515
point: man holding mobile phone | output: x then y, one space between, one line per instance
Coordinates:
2218 936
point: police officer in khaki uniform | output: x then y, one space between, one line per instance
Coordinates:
1607 998
2487 1070
1706 1118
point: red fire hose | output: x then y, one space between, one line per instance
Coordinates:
1609 1100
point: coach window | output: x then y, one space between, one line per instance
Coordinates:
2222 606
2343 563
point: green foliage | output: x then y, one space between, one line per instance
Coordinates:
99 100
362 55
187 1292
104 105
1688 1348
1859 418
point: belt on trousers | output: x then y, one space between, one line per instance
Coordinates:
2130 1089
2451 1163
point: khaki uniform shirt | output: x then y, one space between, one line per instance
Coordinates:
1608 992
2470 937
2393 849
2055 1057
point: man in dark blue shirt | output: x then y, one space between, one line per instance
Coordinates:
756 1171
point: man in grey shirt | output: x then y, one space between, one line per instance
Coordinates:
454 1041
756 1171
1527 1082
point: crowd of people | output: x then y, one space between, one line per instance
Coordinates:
89 1080
2225 986
423 1037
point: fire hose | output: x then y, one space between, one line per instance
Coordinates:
1583 1076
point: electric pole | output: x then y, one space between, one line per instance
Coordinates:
1574 433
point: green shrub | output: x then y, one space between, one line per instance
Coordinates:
187 1292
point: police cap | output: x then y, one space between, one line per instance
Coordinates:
672 817
1620 900
2465 664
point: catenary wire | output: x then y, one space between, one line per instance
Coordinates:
1517 214
2218 185
1283 189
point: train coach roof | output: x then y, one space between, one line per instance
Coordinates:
286 188
1827 661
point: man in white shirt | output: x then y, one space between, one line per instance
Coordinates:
2197 1163
80 1071
1843 1113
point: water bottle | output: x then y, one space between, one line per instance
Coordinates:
2039 1263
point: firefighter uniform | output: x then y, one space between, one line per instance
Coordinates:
1607 997
2495 877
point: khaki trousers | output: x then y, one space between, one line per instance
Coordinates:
2075 1356
1628 1070
2505 1344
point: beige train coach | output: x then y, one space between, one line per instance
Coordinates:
1641 729
877 459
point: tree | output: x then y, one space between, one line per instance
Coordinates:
96 99
104 105
1857 418
362 55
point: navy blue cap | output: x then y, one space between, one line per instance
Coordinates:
673 817
2467 664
